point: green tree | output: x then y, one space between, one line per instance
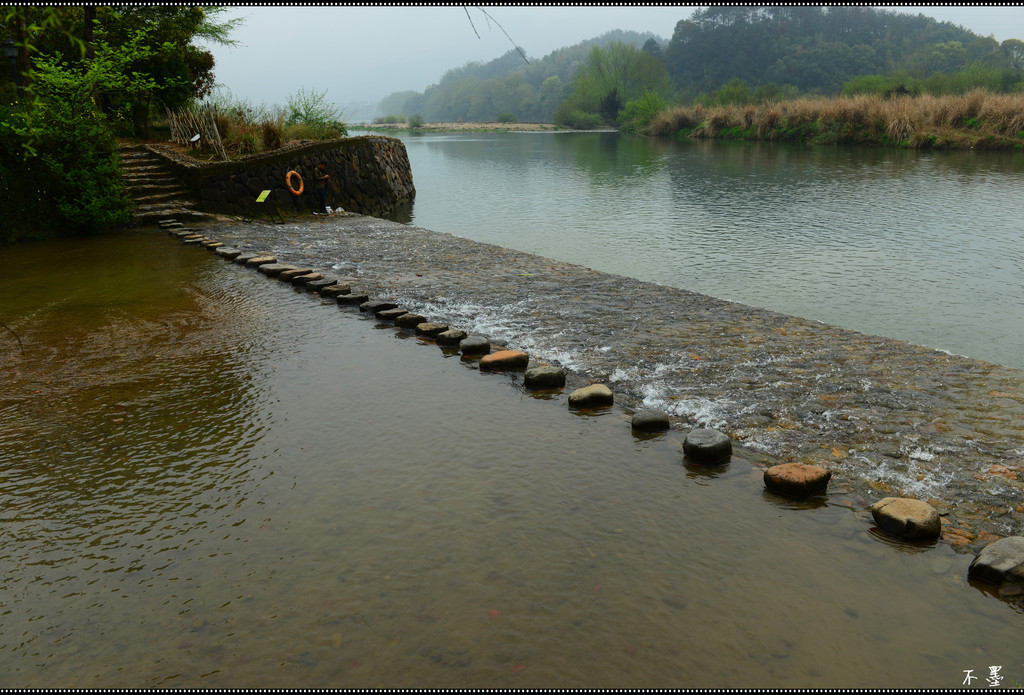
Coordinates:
612 76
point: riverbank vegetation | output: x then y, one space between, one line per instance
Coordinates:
977 119
734 61
84 76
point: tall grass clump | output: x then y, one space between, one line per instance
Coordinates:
975 118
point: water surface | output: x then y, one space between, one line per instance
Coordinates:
210 479
925 247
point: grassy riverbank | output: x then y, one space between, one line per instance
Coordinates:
978 119
459 126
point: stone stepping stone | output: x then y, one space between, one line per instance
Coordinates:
257 261
505 359
272 270
245 257
706 445
180 233
321 284
377 305
451 337
544 378
193 240
474 345
353 299
287 275
211 244
431 330
593 396
999 561
907 519
650 421
796 480
227 252
303 280
409 320
390 314
336 289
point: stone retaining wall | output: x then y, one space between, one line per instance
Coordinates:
370 175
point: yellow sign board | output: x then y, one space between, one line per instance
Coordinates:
262 196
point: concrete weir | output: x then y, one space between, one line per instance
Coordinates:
883 419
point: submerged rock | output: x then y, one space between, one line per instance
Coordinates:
544 378
650 420
593 396
707 446
908 519
796 480
505 359
999 561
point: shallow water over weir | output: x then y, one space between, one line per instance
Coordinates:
210 479
919 246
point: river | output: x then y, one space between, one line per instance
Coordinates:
211 479
920 246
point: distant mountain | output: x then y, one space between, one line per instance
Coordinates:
506 86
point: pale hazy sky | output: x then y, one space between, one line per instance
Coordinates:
364 53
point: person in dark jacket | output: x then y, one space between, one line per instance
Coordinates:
322 177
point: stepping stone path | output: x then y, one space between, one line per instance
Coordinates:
593 396
707 446
796 480
907 519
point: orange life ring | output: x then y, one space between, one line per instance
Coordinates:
288 182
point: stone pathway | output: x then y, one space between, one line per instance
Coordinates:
156 192
885 417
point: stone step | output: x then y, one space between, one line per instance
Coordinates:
154 188
174 198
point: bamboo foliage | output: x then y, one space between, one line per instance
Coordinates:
187 121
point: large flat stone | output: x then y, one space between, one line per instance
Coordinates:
505 360
409 320
705 445
999 561
431 330
475 345
287 275
907 519
593 396
274 269
544 378
796 480
451 337
334 290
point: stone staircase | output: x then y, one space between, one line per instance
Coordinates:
156 192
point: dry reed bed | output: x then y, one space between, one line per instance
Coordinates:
967 120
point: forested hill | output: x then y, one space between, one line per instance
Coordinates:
818 48
774 51
505 86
